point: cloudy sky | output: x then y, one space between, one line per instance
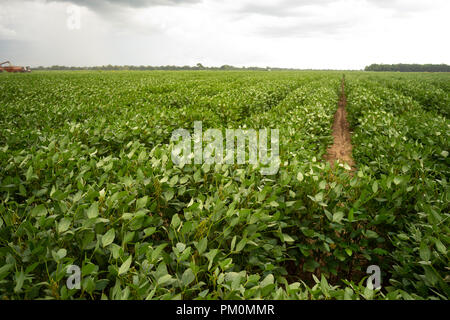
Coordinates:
335 34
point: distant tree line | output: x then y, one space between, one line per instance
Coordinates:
198 66
409 67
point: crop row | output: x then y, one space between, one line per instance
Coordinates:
404 144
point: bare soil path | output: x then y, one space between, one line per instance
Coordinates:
341 149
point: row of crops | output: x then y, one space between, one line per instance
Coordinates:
86 179
403 142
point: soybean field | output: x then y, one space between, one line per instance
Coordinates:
88 184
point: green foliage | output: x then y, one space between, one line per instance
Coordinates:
404 143
86 178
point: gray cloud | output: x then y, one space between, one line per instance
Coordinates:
403 6
117 12
306 28
107 6
297 18
290 8
283 8
127 3
16 51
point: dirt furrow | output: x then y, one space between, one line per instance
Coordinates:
341 149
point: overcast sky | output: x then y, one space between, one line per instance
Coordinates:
335 34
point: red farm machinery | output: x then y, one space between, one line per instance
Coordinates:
8 67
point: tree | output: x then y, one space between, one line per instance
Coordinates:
409 67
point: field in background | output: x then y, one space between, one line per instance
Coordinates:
86 179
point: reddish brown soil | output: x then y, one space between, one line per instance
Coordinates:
341 149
